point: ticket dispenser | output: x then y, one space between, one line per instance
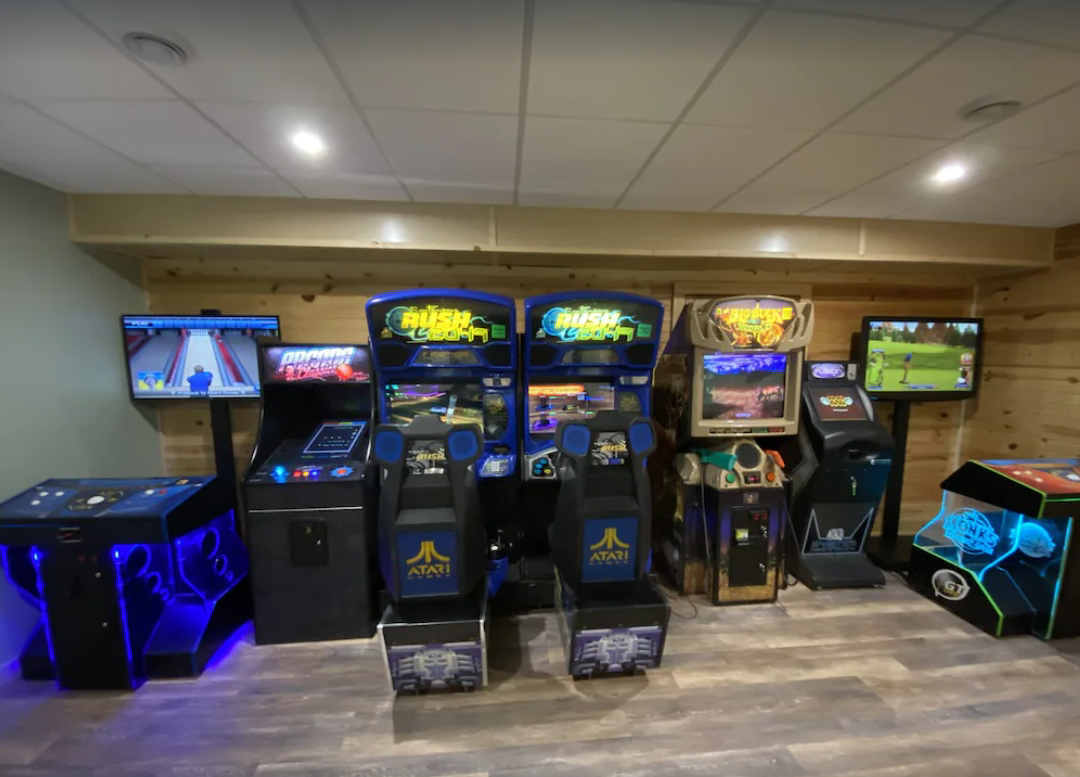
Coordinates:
614 619
432 555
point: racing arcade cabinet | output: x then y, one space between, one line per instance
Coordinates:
1001 553
585 352
614 620
453 354
133 578
837 486
309 496
432 555
730 374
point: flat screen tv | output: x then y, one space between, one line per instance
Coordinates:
195 357
919 359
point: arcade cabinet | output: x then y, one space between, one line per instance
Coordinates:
836 487
907 360
134 579
432 553
729 378
614 620
309 495
585 353
1000 552
453 354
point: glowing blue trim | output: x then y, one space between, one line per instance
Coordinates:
121 601
36 556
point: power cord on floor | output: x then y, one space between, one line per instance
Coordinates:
679 614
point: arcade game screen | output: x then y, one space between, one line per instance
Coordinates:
200 357
920 356
838 404
454 403
549 404
744 386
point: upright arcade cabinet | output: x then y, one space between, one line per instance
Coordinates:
1000 553
837 486
309 495
134 579
585 353
613 617
729 378
432 553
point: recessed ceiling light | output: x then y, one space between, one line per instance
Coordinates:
154 49
309 143
990 110
949 173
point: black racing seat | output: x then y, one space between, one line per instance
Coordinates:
601 533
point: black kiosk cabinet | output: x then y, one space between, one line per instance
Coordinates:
432 555
1000 553
613 617
838 484
134 579
308 494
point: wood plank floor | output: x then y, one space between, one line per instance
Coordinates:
880 683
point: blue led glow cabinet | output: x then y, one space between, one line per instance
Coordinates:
133 578
999 552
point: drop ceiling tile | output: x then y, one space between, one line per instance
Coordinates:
266 130
489 191
776 200
231 181
587 162
948 13
454 148
982 210
625 59
240 49
1044 21
121 177
911 186
797 71
1049 125
1053 182
929 101
28 137
46 53
463 55
160 132
698 166
335 185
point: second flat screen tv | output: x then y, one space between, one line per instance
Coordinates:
195 357
921 359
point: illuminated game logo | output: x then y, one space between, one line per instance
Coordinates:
1035 541
585 323
336 363
428 564
753 323
438 324
828 371
971 531
610 549
837 401
949 585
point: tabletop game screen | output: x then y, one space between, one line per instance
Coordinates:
195 357
551 403
740 386
913 356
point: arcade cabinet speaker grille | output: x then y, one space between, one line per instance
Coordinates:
642 354
498 355
542 355
748 456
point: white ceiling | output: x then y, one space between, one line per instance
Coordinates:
821 107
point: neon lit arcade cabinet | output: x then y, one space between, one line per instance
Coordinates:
1000 553
309 495
585 352
730 376
134 578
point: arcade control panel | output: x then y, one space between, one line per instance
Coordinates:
336 451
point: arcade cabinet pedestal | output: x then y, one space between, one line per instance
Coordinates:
133 578
621 633
436 646
891 550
